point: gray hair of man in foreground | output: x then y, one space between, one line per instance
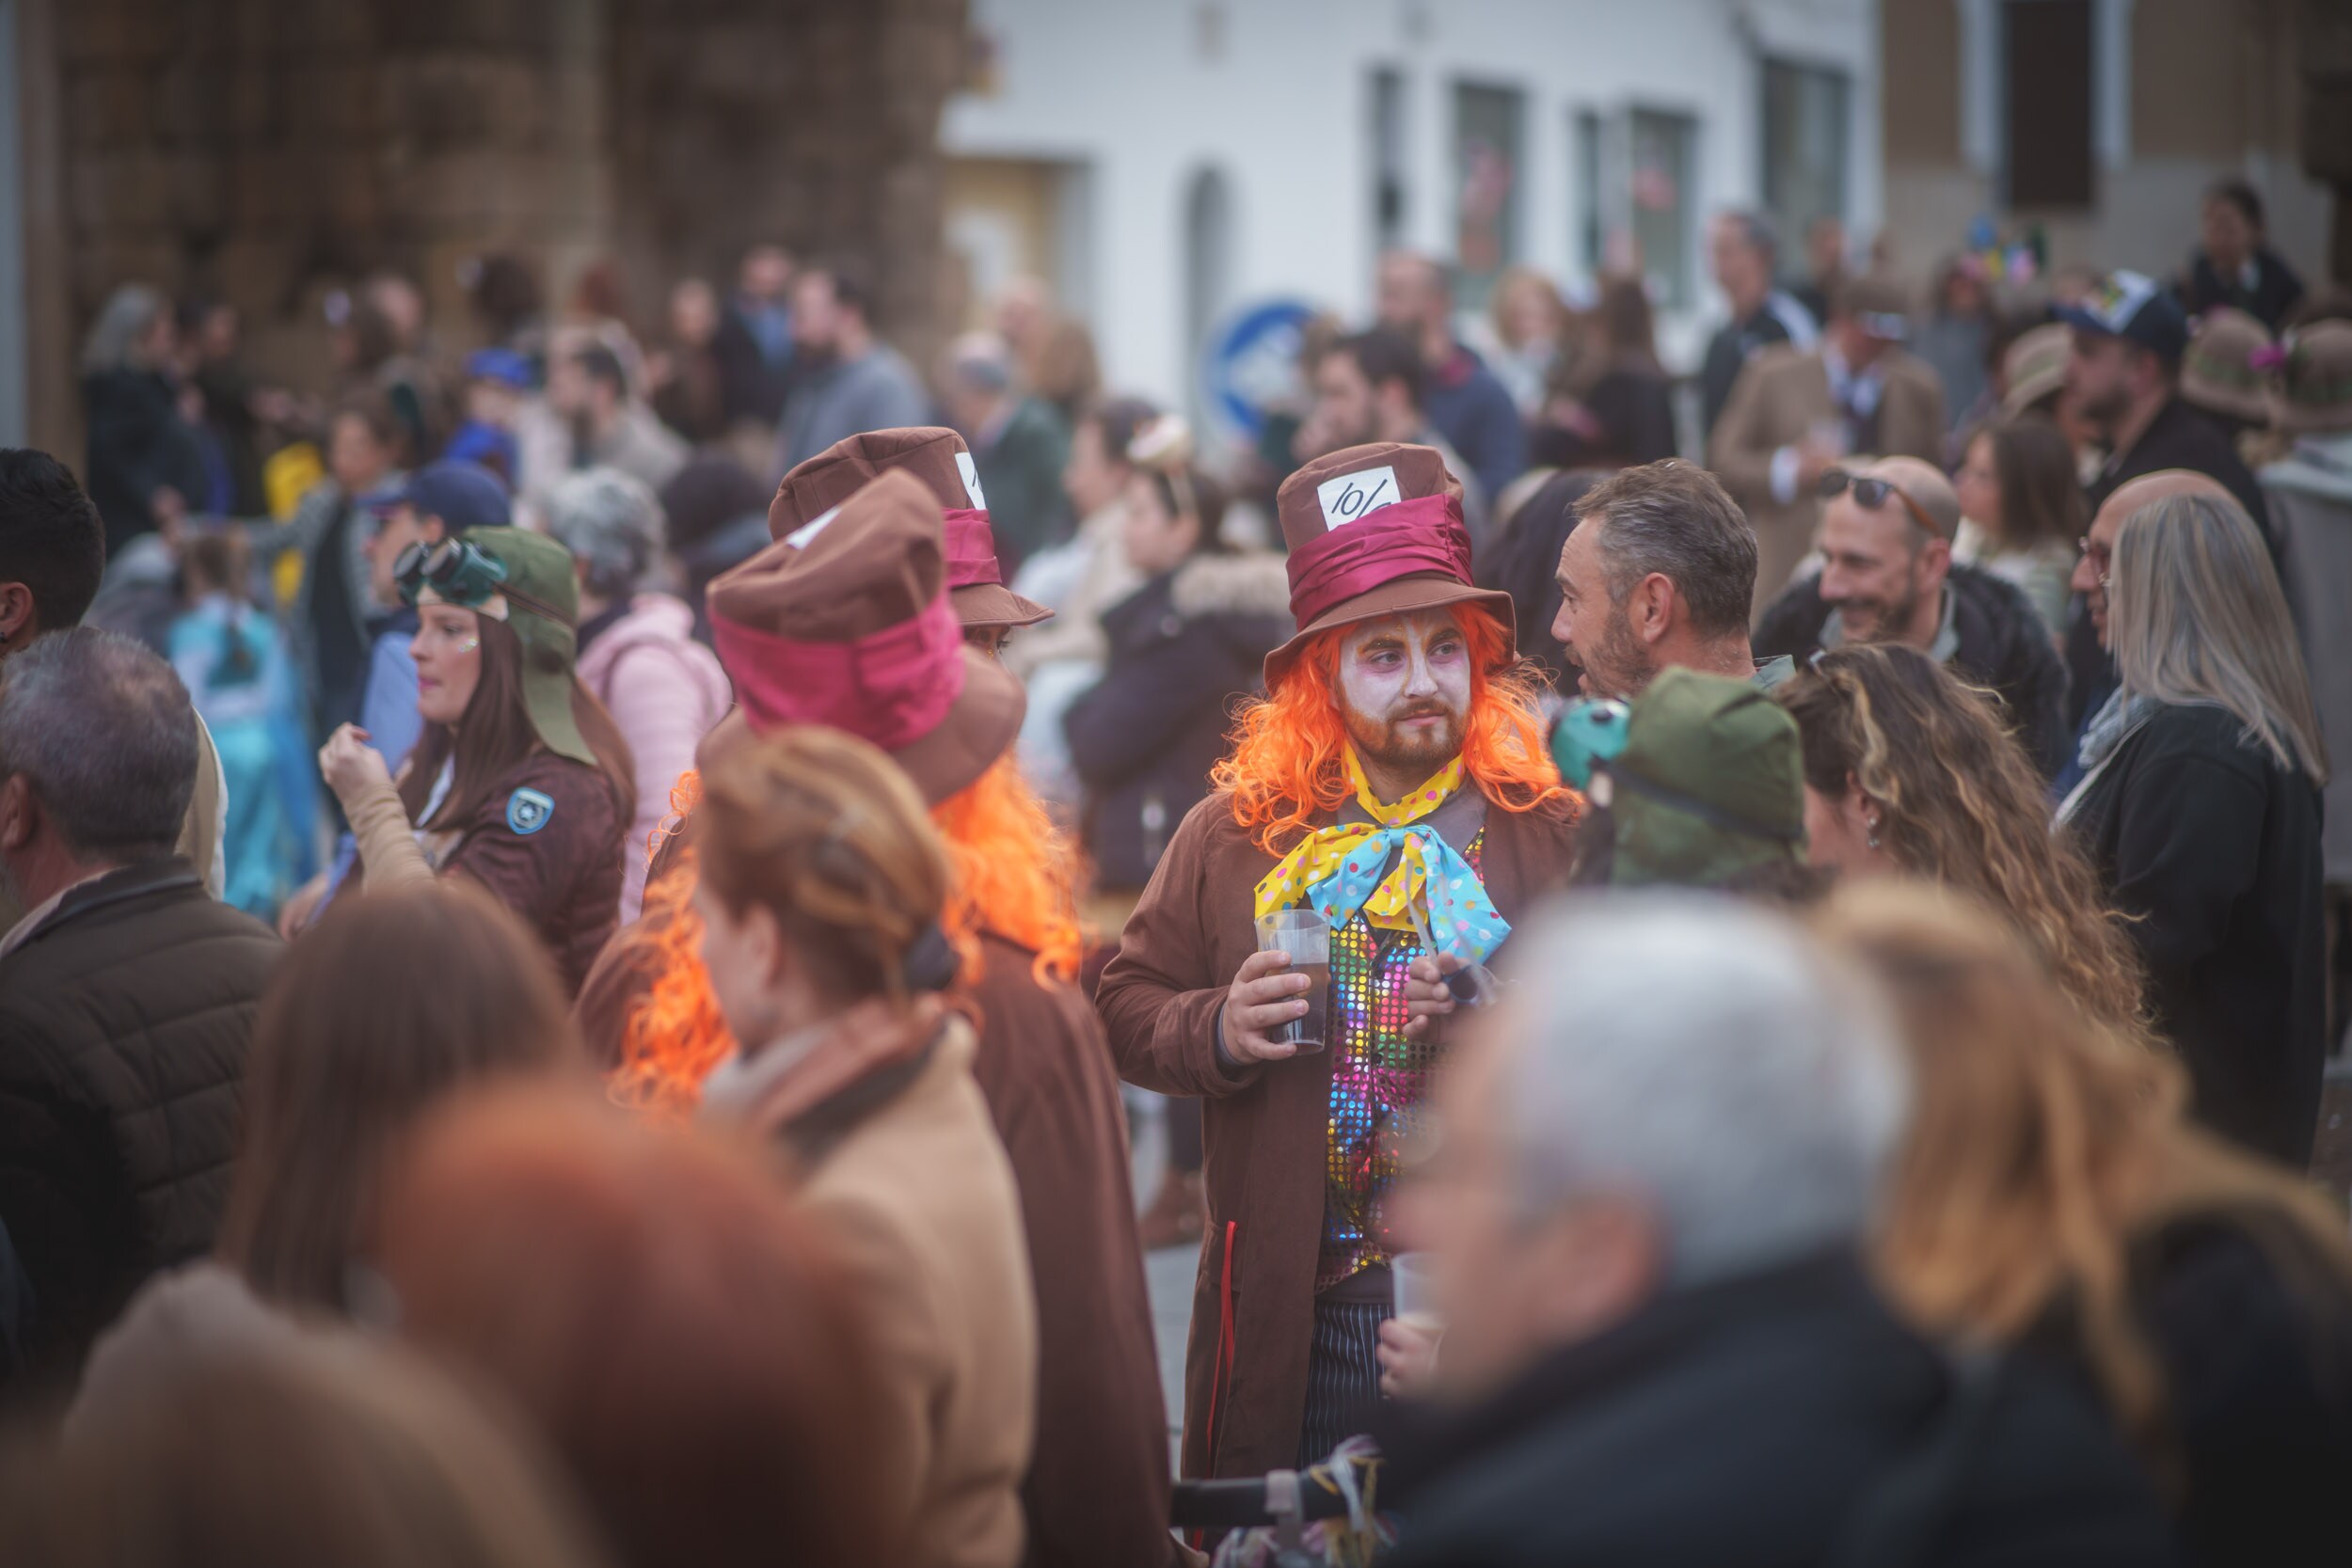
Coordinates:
103 732
1709 1060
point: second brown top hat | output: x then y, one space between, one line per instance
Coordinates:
845 622
938 457
1375 531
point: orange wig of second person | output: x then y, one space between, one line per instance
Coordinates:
1288 768
1011 877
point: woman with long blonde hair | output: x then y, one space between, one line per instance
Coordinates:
2201 810
2052 1190
1908 770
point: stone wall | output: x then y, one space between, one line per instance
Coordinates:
271 150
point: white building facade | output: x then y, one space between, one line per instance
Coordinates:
1163 163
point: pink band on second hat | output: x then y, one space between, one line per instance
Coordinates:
892 686
1423 534
971 548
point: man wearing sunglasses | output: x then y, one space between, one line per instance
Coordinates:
1887 575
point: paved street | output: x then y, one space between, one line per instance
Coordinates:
1171 1271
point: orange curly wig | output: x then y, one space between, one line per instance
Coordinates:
1012 877
1286 768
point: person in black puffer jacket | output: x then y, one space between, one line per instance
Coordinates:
1183 647
1888 576
127 993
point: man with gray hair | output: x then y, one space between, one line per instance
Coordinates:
1652 1173
127 994
1659 572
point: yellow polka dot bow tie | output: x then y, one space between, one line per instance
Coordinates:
1337 870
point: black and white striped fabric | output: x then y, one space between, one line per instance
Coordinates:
1343 1374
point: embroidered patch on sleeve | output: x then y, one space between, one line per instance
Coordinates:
528 810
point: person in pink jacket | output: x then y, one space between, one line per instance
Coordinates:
637 650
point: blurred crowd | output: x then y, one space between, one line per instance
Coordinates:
1722 966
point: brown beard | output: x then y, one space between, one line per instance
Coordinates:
1379 741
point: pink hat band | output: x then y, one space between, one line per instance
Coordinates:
971 551
892 686
1423 534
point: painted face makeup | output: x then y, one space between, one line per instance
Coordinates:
1404 686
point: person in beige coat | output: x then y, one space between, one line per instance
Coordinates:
823 883
1796 413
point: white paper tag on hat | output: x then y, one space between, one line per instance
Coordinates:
1351 498
971 481
799 537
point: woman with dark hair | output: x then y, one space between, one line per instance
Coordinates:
2052 1188
1614 408
392 1004
520 779
822 889
1182 646
1909 772
2022 512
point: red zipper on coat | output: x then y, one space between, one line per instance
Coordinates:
1221 1370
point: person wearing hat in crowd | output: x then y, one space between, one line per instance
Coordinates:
497 382
988 612
2227 373
1796 413
848 619
1887 575
520 779
1699 781
1020 443
2309 491
419 510
1394 781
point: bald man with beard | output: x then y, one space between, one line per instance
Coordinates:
1887 575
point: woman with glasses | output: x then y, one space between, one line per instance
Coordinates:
2199 807
520 780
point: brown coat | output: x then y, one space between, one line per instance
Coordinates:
1097 1493
1779 396
1098 1490
919 1197
1253 1301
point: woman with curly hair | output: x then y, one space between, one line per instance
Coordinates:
2052 1189
1392 790
848 622
1908 770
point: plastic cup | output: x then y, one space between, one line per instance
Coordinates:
1307 938
1416 1297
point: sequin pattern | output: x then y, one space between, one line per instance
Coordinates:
1379 1081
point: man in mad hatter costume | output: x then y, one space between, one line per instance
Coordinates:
1393 778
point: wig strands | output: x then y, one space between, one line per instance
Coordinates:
1287 767
1011 877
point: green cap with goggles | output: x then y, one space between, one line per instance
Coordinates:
526 580
1705 774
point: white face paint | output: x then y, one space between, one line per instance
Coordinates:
1404 686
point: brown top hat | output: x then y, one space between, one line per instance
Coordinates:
938 457
2228 368
1375 531
845 622
2315 382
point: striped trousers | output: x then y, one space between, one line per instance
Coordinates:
1342 1375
